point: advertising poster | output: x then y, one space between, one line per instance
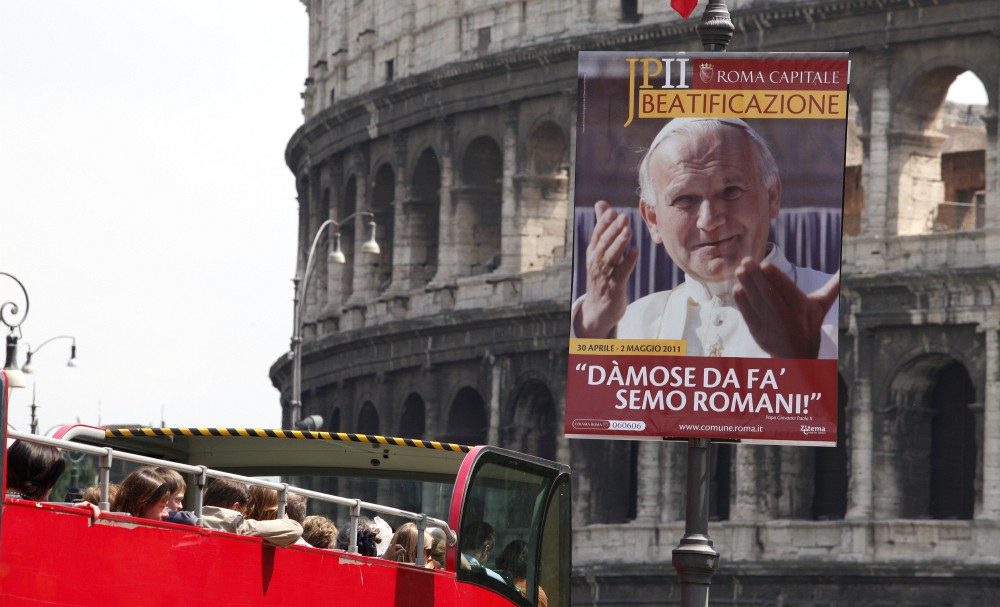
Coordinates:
707 237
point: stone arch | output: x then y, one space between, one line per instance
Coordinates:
383 205
954 445
543 197
368 423
348 205
914 455
830 466
413 419
923 141
333 421
530 424
468 421
854 193
423 216
547 153
478 207
368 419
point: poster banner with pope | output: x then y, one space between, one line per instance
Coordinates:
707 237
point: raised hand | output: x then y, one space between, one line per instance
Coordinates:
610 261
783 320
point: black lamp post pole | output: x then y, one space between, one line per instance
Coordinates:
695 557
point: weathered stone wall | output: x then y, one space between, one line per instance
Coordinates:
459 328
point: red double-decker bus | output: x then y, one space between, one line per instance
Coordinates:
54 553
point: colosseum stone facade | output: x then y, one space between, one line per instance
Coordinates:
453 122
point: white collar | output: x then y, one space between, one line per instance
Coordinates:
701 291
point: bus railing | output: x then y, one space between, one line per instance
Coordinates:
201 475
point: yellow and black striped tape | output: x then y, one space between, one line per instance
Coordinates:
263 433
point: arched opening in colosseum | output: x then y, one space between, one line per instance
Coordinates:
953 445
937 157
412 421
830 467
543 196
368 420
424 217
854 192
347 205
467 419
532 421
478 206
720 483
926 458
383 197
368 423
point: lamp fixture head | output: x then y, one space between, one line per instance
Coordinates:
371 246
336 254
73 362
15 377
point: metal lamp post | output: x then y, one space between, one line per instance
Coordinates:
12 317
336 255
695 557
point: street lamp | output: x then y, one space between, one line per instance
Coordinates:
30 369
336 255
9 313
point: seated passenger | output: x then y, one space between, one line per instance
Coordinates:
475 544
383 535
403 545
32 470
319 531
514 562
262 505
92 494
296 506
367 545
225 501
143 494
436 549
175 505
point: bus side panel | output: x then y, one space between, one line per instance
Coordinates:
55 555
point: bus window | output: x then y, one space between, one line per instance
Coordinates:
512 514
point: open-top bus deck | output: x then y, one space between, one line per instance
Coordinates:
58 554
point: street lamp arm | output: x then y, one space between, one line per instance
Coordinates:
42 345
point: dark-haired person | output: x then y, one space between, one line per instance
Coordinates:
226 501
32 470
143 494
367 537
178 488
513 561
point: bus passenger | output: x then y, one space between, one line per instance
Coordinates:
92 494
262 504
175 505
403 545
435 550
225 501
513 561
367 545
143 494
32 470
475 544
319 531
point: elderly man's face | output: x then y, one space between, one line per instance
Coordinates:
711 208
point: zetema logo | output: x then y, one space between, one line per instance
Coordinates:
807 430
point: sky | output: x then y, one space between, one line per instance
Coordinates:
146 206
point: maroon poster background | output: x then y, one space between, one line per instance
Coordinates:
766 400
